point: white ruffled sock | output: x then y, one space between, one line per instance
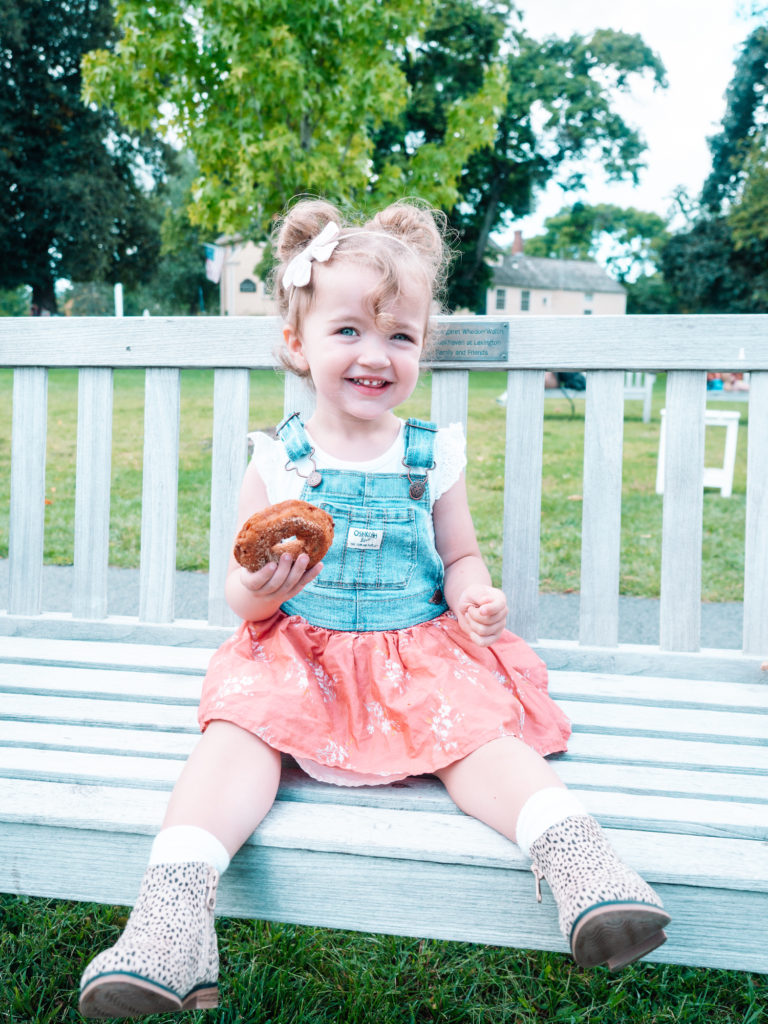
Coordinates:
541 811
183 844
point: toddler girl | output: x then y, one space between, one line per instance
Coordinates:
387 660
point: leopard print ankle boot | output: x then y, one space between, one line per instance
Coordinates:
608 914
167 958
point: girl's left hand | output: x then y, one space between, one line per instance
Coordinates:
482 613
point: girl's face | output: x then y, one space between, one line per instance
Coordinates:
359 366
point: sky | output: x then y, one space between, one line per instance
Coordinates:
698 42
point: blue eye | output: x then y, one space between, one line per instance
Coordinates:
348 332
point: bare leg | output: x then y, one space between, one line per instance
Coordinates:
227 786
494 781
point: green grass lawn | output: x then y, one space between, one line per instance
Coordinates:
561 499
279 974
276 974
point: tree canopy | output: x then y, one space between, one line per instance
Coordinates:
70 201
368 102
282 103
719 263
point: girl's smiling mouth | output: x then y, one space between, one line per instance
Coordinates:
369 382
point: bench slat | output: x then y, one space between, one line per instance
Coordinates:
231 390
27 514
450 398
107 654
92 490
380 832
756 550
98 767
522 500
680 627
157 570
601 509
583 747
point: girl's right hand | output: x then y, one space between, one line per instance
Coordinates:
280 581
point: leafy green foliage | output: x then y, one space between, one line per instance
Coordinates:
559 111
71 203
367 102
635 237
274 102
707 273
742 131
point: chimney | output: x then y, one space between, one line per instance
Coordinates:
517 245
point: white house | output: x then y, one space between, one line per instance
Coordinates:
545 286
241 291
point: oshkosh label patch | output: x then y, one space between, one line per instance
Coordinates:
366 539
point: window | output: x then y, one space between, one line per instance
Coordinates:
501 298
525 300
247 285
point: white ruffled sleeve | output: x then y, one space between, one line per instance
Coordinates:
269 456
450 459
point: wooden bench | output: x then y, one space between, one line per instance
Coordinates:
670 744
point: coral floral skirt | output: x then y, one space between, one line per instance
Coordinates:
372 707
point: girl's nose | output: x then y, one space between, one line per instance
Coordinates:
373 353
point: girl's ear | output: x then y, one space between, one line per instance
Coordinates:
295 347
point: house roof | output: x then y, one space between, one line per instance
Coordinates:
517 270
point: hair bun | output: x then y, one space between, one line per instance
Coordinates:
301 224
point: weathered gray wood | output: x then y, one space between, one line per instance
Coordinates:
756 550
649 343
450 393
92 491
522 500
27 517
157 569
299 397
229 457
680 611
601 508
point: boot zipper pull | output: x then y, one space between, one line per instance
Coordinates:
213 881
538 876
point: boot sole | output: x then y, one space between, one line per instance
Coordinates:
118 995
617 934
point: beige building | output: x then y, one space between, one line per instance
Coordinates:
542 286
241 291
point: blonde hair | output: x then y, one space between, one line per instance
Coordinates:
404 240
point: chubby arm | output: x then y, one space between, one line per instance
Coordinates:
480 607
257 595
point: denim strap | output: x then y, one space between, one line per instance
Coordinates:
293 435
419 444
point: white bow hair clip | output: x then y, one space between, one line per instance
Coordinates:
299 270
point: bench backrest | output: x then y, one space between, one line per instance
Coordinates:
605 347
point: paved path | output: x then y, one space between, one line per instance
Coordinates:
721 624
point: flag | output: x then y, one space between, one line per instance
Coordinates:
214 261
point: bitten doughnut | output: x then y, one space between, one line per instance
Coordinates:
290 526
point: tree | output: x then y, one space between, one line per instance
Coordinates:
558 111
718 264
71 203
742 135
707 274
281 104
630 240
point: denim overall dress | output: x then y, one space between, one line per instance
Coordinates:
382 571
365 676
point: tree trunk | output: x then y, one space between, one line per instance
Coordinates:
44 298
